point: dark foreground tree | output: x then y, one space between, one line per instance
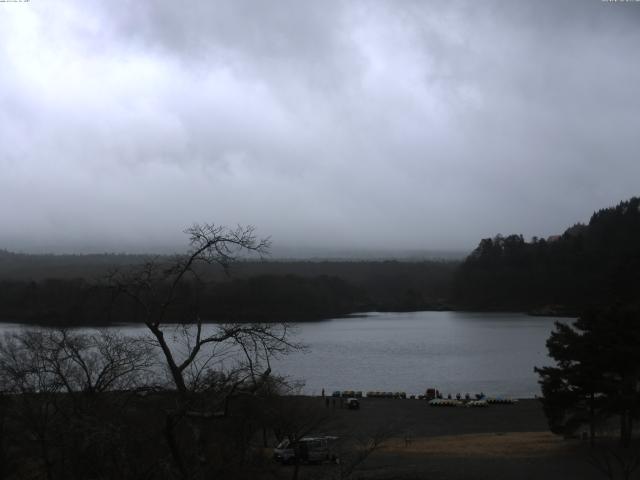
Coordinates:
62 394
208 364
597 372
102 405
190 348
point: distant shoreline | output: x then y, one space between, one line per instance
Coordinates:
310 319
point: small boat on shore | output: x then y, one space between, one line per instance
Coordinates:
477 403
445 402
502 400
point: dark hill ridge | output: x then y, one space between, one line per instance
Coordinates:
591 264
67 289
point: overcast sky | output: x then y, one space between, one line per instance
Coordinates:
399 124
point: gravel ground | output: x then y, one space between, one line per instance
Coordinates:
417 418
423 442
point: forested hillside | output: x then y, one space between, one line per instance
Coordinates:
72 289
593 264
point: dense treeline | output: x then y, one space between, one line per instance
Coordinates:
261 298
256 291
593 264
38 267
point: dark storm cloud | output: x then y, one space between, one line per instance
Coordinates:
347 124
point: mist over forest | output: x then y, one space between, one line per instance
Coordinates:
343 126
594 263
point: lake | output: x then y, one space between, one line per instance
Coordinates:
456 352
453 351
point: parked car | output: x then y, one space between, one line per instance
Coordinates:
307 449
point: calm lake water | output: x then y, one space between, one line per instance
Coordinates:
453 351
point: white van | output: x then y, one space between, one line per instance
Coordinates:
310 450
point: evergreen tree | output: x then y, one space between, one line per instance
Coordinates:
597 372
588 265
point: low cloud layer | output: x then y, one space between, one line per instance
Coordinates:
375 125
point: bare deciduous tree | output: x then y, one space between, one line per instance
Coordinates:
63 389
191 350
207 363
52 361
